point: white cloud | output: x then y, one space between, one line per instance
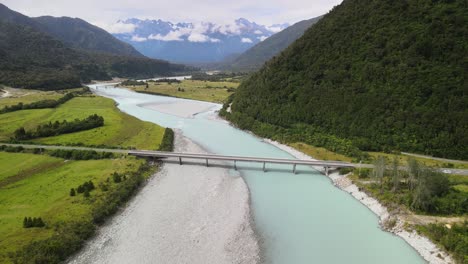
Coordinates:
232 29
138 38
197 37
274 29
118 28
104 12
258 32
246 40
171 36
262 38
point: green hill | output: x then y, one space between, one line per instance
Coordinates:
32 58
80 34
373 74
256 56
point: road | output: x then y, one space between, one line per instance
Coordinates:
434 158
127 151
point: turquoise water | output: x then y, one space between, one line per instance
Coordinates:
301 218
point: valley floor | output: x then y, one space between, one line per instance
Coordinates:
185 214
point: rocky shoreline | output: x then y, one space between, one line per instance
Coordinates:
426 248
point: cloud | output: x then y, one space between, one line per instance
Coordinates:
118 28
197 37
106 12
171 36
246 40
274 29
262 38
258 32
138 38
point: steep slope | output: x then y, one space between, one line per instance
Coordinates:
384 75
80 34
30 58
33 59
256 56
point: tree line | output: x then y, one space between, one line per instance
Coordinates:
392 78
38 104
167 143
57 128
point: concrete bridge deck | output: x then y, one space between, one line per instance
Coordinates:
207 157
162 155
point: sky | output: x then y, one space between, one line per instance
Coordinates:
105 13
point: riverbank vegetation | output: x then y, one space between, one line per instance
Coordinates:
203 90
395 83
423 198
452 238
39 185
71 191
119 130
49 103
58 128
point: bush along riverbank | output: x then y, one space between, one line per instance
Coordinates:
417 201
394 216
114 192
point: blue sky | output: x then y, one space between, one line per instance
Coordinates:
105 13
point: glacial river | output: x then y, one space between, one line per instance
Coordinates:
300 218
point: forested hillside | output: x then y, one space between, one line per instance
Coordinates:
31 58
80 34
255 57
378 74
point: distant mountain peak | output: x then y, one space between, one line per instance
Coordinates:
194 41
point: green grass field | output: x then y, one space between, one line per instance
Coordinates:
216 92
119 128
39 185
324 154
27 96
43 189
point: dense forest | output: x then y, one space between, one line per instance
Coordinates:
255 57
32 58
381 75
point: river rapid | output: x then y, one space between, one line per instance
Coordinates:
297 218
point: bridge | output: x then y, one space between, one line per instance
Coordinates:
164 156
234 159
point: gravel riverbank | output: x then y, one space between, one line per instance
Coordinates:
428 250
184 214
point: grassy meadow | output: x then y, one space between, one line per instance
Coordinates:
35 185
210 91
28 96
119 128
324 154
39 186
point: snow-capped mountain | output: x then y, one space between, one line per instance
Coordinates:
192 42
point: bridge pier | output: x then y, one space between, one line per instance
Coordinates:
264 170
180 160
207 162
294 168
326 171
235 165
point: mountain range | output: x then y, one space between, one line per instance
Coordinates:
253 58
59 53
372 75
194 42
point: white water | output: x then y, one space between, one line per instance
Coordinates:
300 218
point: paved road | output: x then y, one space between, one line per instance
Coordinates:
126 151
434 158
